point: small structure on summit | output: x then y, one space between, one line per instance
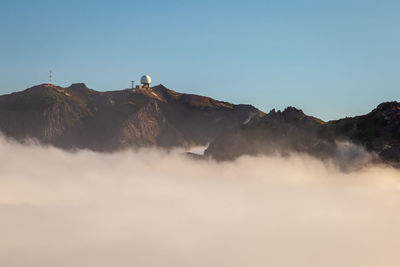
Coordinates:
145 80
50 84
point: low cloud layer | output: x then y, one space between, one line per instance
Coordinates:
151 208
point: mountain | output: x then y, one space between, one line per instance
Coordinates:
79 117
377 132
275 132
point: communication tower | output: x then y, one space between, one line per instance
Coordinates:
50 84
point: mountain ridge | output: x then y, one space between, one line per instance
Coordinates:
83 118
79 117
288 131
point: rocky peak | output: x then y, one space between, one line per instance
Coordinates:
389 110
78 86
394 105
289 114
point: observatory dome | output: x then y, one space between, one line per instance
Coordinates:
145 79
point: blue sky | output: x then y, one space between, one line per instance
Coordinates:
330 58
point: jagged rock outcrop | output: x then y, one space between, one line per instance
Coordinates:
378 132
277 132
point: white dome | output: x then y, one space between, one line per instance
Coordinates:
145 79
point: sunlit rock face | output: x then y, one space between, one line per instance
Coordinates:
79 117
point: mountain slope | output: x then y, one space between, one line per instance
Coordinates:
79 117
377 132
276 132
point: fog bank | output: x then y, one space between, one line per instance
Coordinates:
151 208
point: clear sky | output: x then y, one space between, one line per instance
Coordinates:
329 58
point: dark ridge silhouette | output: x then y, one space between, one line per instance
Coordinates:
378 132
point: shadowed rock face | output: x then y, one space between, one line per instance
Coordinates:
79 117
277 132
377 132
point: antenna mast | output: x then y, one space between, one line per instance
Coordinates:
51 79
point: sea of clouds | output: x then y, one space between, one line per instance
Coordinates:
153 208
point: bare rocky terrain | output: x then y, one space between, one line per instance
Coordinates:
79 117
82 118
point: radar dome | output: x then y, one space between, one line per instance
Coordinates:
145 80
